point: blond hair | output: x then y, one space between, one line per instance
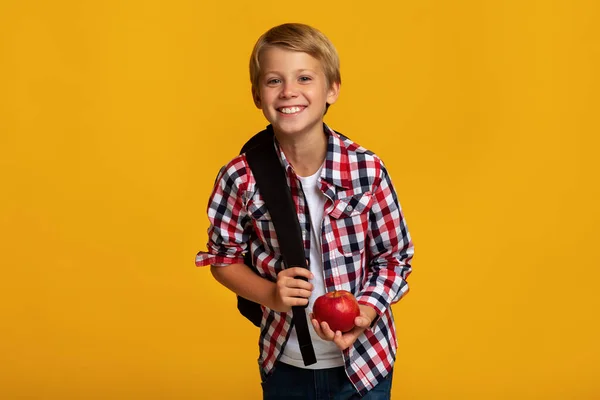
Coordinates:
296 37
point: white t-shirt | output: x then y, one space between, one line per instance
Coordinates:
327 353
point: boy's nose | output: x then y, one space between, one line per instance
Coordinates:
288 90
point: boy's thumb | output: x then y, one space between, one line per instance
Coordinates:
361 322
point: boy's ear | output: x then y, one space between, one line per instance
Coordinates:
333 93
256 98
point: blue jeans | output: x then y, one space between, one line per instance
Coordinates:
288 382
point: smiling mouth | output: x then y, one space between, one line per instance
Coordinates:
290 110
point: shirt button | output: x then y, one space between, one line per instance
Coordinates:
349 208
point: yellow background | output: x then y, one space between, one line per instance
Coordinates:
115 117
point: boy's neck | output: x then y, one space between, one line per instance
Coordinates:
306 152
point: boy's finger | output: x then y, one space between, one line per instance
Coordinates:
295 301
329 334
298 271
315 325
300 293
298 284
318 330
362 322
342 341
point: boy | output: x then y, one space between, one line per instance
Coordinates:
354 233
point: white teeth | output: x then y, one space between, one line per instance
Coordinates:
290 110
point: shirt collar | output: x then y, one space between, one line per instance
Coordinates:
336 170
337 166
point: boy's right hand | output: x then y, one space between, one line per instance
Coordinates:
290 291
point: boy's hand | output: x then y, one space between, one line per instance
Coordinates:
345 340
290 291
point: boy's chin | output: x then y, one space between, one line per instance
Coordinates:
293 129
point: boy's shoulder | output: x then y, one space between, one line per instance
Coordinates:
342 144
238 166
237 169
353 166
341 148
234 174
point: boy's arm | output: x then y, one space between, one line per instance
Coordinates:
390 249
278 296
229 233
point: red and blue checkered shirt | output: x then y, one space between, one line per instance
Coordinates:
366 247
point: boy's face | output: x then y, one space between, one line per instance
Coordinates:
293 91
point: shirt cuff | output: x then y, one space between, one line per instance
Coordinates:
366 300
204 258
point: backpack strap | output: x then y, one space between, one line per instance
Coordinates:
271 180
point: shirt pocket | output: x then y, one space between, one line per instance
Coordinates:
350 223
262 223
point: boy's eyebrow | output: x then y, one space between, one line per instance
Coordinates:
297 71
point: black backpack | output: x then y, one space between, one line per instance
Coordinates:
271 181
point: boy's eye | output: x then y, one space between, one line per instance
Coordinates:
305 78
273 81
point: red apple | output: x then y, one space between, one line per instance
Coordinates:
338 308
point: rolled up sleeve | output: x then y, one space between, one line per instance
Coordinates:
228 231
390 248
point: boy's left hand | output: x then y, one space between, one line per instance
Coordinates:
347 339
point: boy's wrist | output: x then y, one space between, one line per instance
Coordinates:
273 299
369 311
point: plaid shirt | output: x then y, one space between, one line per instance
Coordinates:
366 247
